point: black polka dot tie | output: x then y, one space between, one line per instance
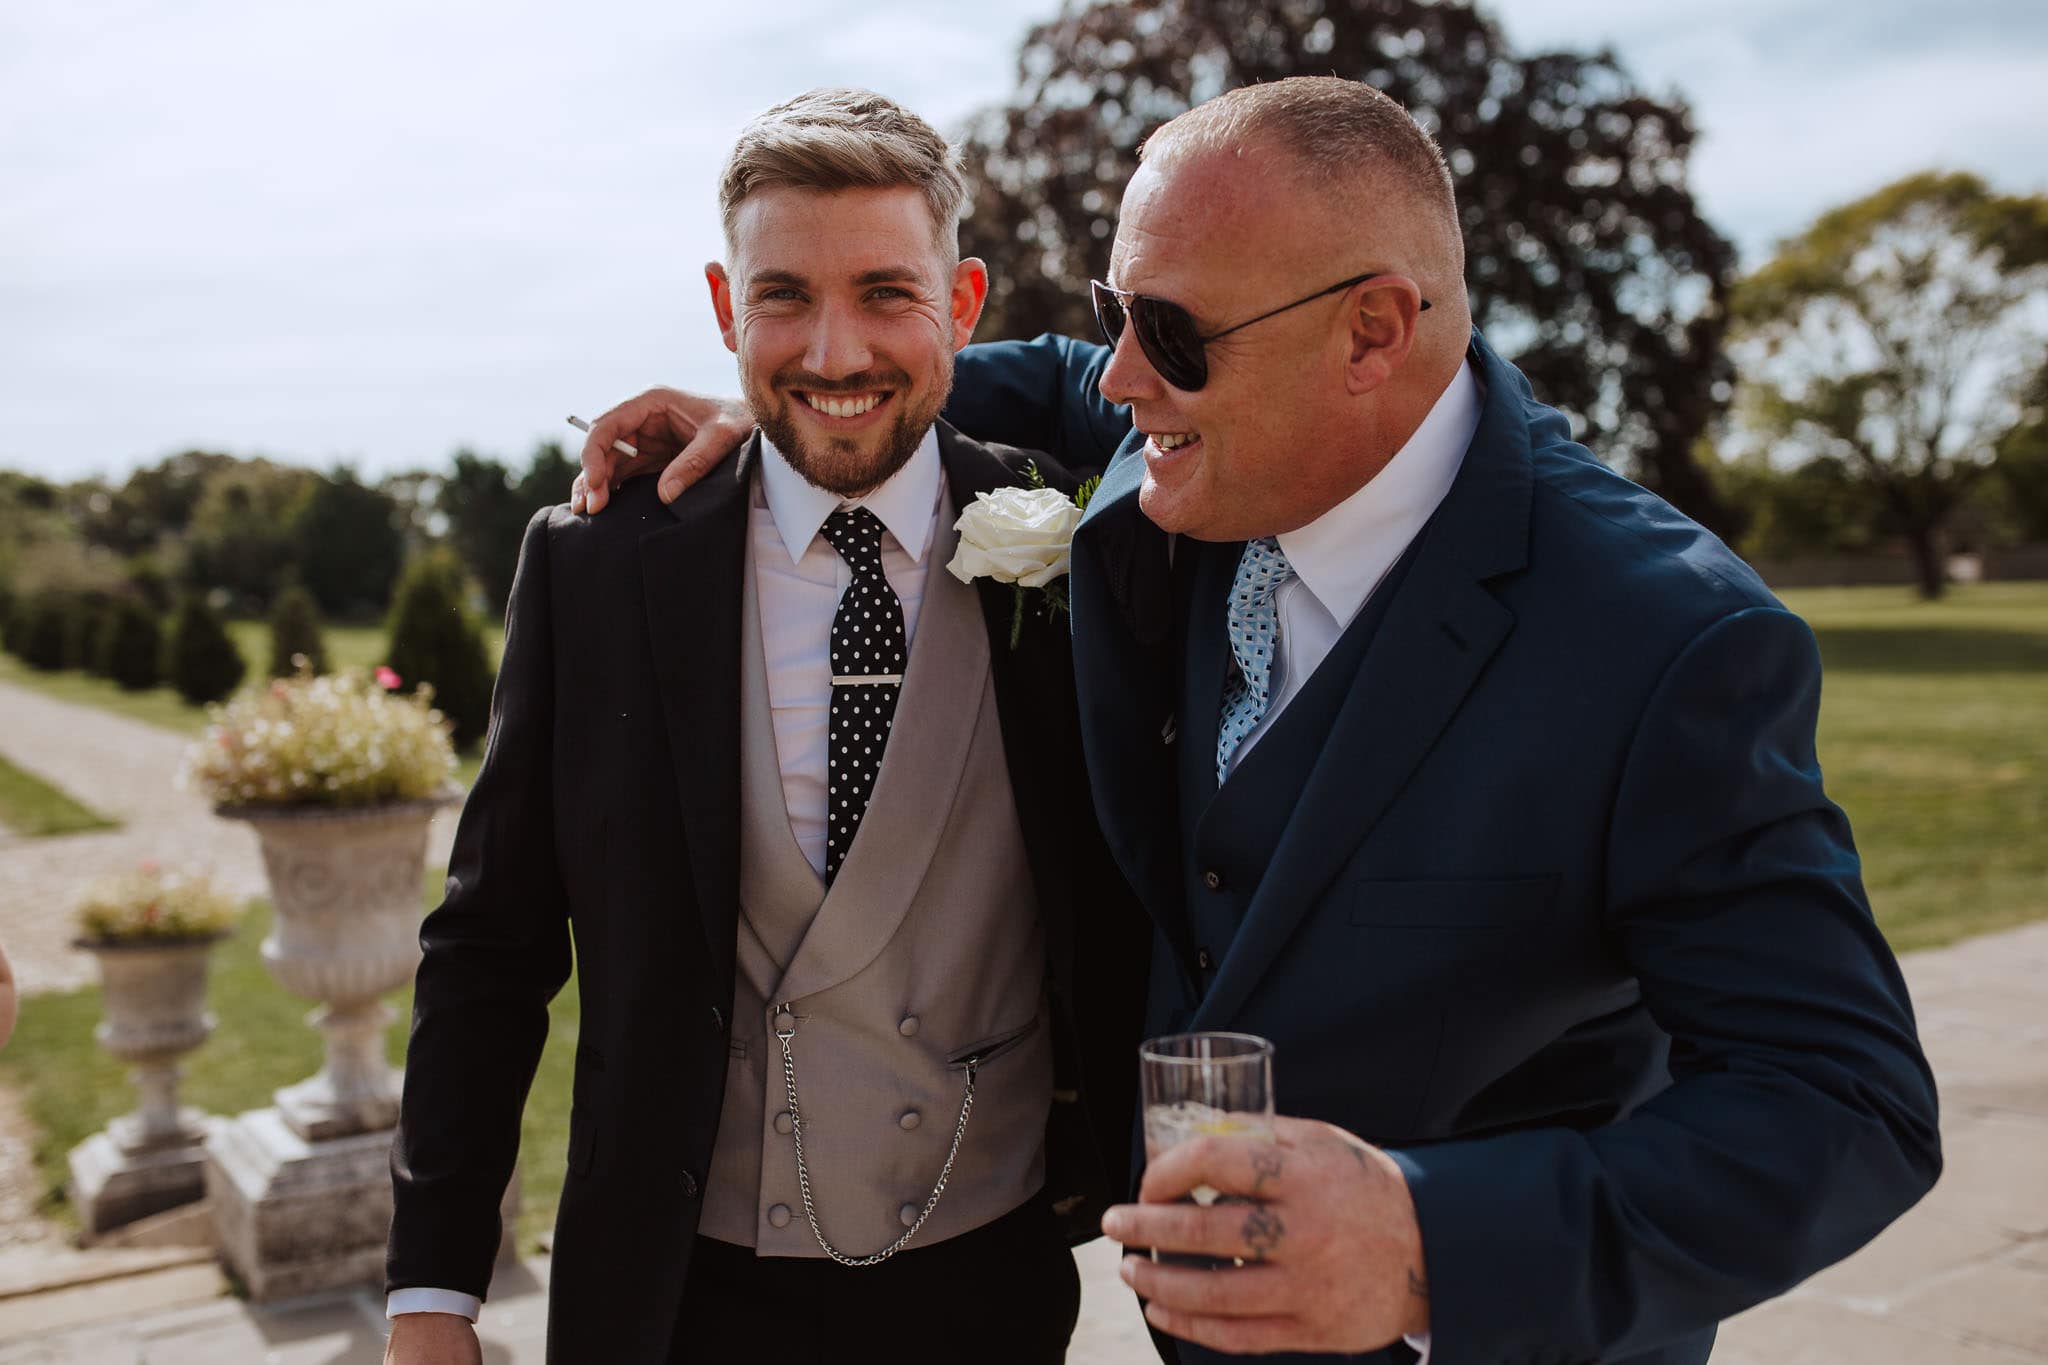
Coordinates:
868 653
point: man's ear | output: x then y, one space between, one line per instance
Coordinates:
1382 324
970 292
721 303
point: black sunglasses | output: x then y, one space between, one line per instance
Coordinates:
1167 335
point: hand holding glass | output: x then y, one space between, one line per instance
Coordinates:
1201 1085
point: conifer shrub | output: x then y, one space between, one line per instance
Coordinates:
436 639
131 645
199 658
295 633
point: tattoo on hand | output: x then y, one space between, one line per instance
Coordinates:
1417 1285
1265 1166
1262 1231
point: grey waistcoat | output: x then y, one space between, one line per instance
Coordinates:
927 948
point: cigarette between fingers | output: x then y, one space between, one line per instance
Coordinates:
624 448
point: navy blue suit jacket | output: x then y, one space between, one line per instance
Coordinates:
1562 916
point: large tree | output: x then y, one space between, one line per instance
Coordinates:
347 544
1587 260
1897 334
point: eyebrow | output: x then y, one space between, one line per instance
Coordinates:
884 275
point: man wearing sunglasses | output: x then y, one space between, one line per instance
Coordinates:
1478 779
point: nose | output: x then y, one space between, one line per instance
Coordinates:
1129 376
838 344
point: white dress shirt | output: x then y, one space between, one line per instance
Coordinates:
1343 556
798 579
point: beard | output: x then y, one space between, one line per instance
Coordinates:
839 464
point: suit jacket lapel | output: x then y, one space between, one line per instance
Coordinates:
691 573
1435 640
1128 674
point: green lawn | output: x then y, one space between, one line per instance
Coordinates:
71 1087
32 807
1934 738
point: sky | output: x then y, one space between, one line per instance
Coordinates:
374 233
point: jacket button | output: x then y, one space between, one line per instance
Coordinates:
907 1215
717 1020
778 1217
784 1124
908 1028
911 1118
1213 879
689 1185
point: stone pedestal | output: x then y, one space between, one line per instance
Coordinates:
297 1216
113 1184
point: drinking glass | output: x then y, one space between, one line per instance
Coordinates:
1198 1085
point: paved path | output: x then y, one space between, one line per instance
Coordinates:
1961 1280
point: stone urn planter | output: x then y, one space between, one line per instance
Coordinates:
153 934
155 994
346 885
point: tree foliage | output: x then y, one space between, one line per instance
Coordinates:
1588 261
2023 464
1896 335
200 660
436 638
487 509
346 544
240 536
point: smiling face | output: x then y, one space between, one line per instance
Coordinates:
845 311
1289 423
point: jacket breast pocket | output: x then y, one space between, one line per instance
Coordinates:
1492 903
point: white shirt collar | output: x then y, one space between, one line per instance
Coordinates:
1343 554
906 503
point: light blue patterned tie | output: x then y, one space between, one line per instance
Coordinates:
1254 626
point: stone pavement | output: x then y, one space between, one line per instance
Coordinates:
1961 1280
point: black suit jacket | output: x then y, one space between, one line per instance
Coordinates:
607 812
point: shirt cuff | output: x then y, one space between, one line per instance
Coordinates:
1419 1345
432 1301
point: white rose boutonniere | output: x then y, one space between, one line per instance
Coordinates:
1022 536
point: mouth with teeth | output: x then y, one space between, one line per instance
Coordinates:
1168 441
836 408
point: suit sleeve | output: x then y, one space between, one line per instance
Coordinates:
1801 1117
494 954
1040 394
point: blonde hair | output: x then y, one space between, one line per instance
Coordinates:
842 139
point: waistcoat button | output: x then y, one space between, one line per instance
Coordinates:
1213 879
785 1022
778 1217
689 1185
911 1118
1203 960
784 1124
717 1020
907 1215
908 1028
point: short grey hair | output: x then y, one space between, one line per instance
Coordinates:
841 139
